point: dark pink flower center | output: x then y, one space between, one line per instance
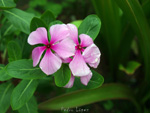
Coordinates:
48 46
79 47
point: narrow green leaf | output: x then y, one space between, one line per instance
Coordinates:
19 19
84 97
5 94
14 51
133 11
22 93
29 107
3 74
36 23
146 8
62 76
24 69
7 4
48 17
109 13
130 68
91 26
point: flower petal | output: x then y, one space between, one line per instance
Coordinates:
67 60
58 32
78 66
73 33
38 37
50 63
71 82
85 40
92 55
36 55
86 79
65 49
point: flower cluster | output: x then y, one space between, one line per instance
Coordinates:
65 47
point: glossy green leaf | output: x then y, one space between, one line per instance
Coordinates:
19 19
7 4
130 67
3 74
29 107
5 94
62 76
47 17
36 23
22 93
55 22
8 29
14 51
91 26
96 81
77 23
134 13
24 69
84 97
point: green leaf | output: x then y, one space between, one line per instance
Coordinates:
55 22
134 13
91 26
14 51
29 107
24 69
47 17
22 93
3 74
130 68
77 23
146 8
84 97
36 23
109 13
53 7
7 4
5 94
96 81
8 29
19 19
62 76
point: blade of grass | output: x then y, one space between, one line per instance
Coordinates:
84 97
108 12
134 13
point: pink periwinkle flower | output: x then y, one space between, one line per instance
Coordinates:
58 47
86 52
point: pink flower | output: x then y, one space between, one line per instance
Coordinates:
59 43
86 52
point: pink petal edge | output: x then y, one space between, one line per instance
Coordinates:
38 37
65 49
73 33
78 66
50 63
36 55
85 79
85 40
92 55
58 32
71 82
